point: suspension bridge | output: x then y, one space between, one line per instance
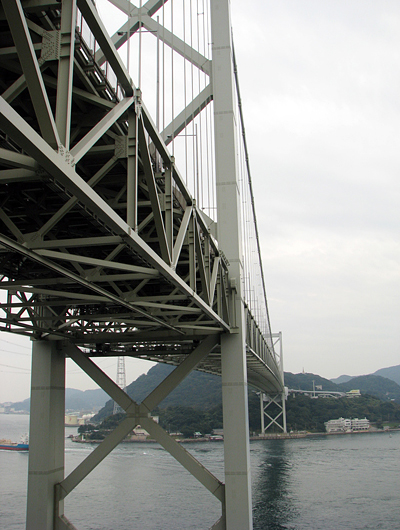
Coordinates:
127 223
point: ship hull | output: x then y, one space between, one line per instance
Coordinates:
14 447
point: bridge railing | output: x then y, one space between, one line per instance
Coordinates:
87 45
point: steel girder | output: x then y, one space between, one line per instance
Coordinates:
65 238
98 231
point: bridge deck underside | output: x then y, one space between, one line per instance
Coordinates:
259 374
101 243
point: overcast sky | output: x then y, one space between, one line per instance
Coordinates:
320 84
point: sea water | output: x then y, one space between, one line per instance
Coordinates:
348 482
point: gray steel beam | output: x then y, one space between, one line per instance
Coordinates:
214 276
188 114
7 176
215 486
65 256
27 56
163 151
62 172
132 176
124 5
76 242
82 95
13 159
175 43
11 226
143 17
181 235
19 85
169 210
153 194
100 33
73 201
65 71
201 265
102 450
79 280
94 135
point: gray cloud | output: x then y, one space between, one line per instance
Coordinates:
319 83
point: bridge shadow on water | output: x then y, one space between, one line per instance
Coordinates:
273 508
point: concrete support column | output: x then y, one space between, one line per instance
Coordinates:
284 396
238 503
46 434
233 346
262 412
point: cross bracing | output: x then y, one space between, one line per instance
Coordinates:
110 236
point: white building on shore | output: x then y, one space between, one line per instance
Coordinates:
347 425
359 424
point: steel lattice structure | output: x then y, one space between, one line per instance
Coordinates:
103 249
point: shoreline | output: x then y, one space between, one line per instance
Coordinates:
294 435
260 437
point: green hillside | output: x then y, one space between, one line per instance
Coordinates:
303 414
392 372
196 404
341 379
375 385
199 390
198 400
75 400
305 382
306 414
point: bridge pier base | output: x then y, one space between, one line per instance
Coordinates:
236 434
46 434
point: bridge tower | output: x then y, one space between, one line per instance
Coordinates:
273 405
233 345
108 249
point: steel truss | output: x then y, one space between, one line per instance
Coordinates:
103 229
103 250
97 223
273 405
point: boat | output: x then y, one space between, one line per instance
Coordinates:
216 438
8 445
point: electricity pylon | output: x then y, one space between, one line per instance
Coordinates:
121 380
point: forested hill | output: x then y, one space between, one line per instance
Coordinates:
75 400
203 391
392 372
198 390
306 414
196 405
375 385
305 382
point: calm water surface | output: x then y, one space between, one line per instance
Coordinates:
349 482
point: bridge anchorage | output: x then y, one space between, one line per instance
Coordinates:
107 248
